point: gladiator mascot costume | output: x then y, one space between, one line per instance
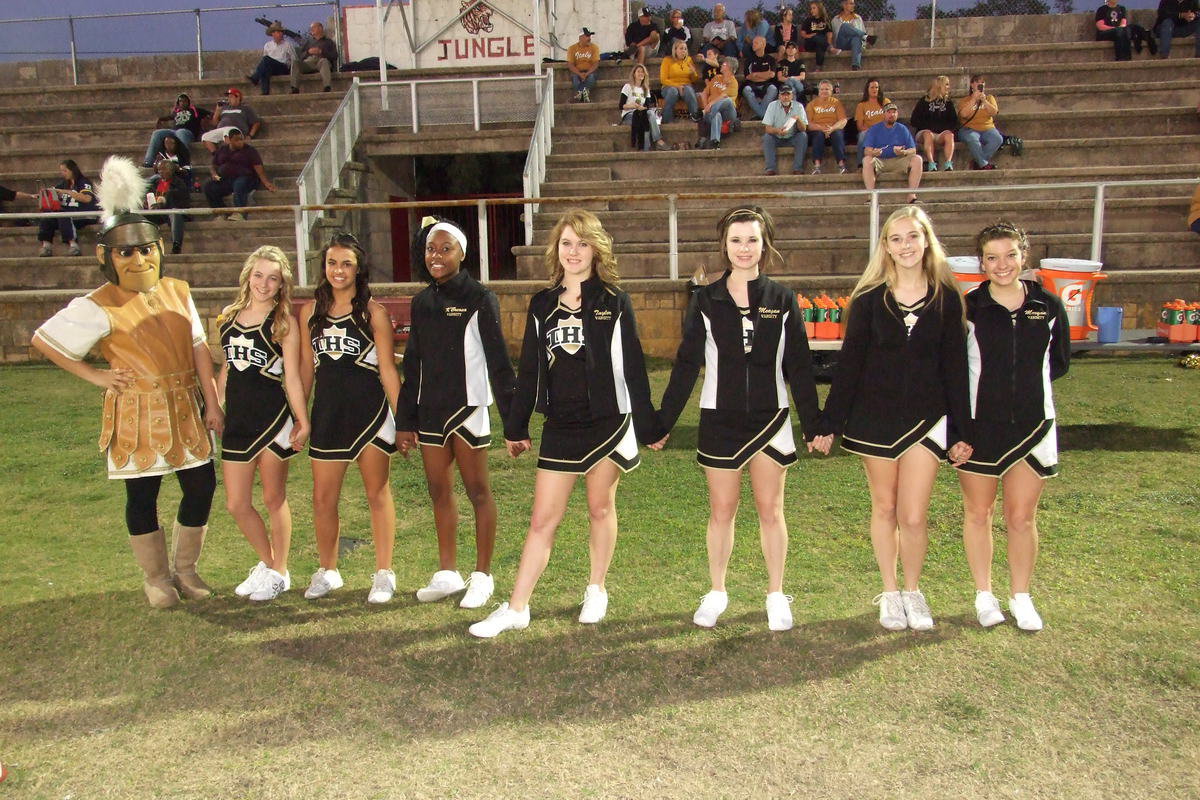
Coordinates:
159 399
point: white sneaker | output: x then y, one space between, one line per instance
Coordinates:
444 583
479 588
779 611
916 610
247 587
595 604
712 605
891 611
1021 606
501 620
382 587
271 586
323 582
987 609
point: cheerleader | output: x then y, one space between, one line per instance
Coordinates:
455 359
582 367
746 331
348 355
899 395
1018 341
266 419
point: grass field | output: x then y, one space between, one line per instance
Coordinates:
102 697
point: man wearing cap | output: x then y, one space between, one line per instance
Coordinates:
277 58
160 399
237 169
785 123
583 59
889 147
641 36
232 114
316 53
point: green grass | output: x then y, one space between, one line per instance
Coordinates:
102 697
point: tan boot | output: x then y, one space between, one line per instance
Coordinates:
150 550
188 543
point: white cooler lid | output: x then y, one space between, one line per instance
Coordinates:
964 264
1071 265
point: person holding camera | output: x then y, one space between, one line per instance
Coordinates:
976 113
277 58
231 115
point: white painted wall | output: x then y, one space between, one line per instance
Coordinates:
483 36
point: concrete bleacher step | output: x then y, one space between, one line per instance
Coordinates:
202 92
804 256
26 138
201 235
212 269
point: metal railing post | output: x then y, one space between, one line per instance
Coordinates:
1098 223
673 236
412 91
475 101
528 189
874 222
301 246
74 55
199 48
932 21
537 38
484 254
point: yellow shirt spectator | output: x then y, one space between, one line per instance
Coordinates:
584 57
869 112
981 119
678 73
825 111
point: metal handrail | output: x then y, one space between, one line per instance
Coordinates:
539 148
1100 195
70 20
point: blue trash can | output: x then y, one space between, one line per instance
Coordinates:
1109 319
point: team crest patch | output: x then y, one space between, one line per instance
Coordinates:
241 354
334 343
567 335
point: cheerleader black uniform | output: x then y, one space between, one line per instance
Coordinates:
455 359
901 378
257 415
584 370
1012 357
750 358
350 409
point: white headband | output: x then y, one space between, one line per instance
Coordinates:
451 229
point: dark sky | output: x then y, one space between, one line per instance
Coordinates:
222 30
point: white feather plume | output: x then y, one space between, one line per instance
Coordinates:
121 188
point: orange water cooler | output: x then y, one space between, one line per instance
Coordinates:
966 271
1074 281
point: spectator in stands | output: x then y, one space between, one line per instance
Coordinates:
232 114
277 59
935 120
786 31
641 36
1175 19
755 27
850 33
708 62
583 59
1112 25
759 72
816 33
1194 212
174 150
890 147
8 195
677 73
184 122
826 123
790 70
316 53
76 194
976 113
784 124
676 31
720 33
868 112
637 110
237 169
171 191
718 103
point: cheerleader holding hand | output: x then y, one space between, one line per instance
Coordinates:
747 333
898 396
266 416
347 362
582 366
1019 339
454 360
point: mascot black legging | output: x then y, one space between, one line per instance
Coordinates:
141 499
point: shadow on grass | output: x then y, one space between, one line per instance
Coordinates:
418 678
1126 438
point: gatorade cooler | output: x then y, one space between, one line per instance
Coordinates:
966 271
1073 280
